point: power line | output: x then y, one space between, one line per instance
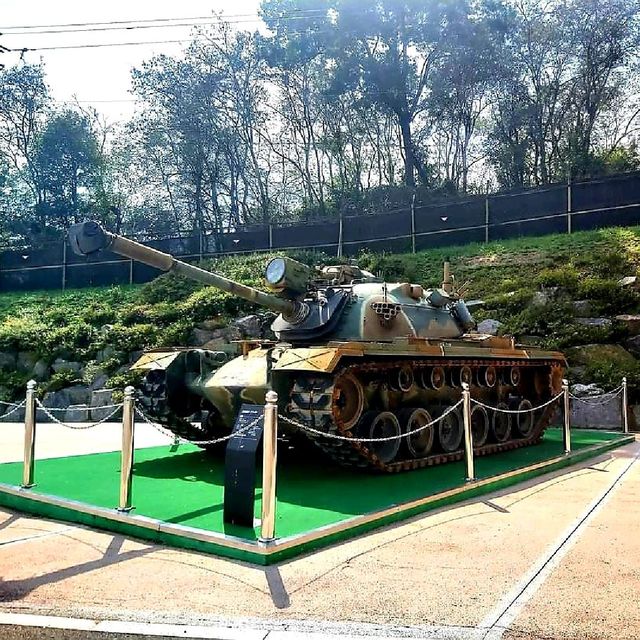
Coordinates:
296 13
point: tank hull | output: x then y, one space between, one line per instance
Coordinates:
342 388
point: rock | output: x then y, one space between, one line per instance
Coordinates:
12 416
589 354
77 413
633 345
597 415
26 360
101 398
56 399
60 364
586 390
78 394
215 344
105 354
200 337
489 326
594 323
582 307
7 361
250 326
210 325
546 296
40 370
630 322
104 329
628 281
99 381
134 356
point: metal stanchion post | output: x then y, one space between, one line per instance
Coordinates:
269 461
126 466
468 436
625 406
566 434
28 472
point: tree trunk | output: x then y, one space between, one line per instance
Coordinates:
407 147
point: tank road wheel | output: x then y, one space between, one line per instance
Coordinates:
463 374
348 401
404 379
488 377
524 422
421 442
514 376
501 424
381 425
432 378
479 425
450 431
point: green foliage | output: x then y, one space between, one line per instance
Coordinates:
13 385
61 380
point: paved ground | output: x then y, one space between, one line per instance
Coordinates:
557 557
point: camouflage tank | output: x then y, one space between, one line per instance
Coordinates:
354 356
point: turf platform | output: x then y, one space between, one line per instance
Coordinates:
178 494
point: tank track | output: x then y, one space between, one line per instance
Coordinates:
312 403
155 403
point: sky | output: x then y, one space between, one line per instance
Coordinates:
101 76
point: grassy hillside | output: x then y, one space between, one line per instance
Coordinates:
508 276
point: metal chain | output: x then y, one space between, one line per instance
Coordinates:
178 438
517 411
104 406
598 400
15 408
10 404
335 436
48 413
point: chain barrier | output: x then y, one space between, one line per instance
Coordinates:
336 436
79 427
9 404
15 408
600 399
177 438
104 406
518 411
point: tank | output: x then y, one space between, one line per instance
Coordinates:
354 356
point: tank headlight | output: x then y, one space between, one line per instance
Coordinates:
275 271
287 277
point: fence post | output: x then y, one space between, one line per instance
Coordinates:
413 223
566 434
269 461
486 217
468 436
126 465
569 203
64 262
200 244
28 471
340 235
270 236
625 406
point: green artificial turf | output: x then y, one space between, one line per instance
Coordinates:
185 486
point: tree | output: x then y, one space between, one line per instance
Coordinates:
66 160
24 105
383 50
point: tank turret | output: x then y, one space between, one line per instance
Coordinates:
340 302
357 357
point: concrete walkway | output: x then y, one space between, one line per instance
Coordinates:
557 557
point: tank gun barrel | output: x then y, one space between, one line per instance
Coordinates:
87 238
